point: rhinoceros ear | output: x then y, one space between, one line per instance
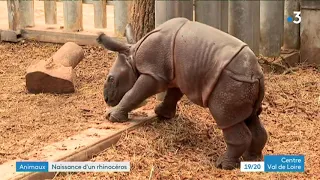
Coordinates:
122 58
129 34
112 45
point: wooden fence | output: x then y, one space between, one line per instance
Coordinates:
258 23
21 17
262 25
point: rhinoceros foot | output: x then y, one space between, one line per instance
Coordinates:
165 111
227 163
116 115
252 157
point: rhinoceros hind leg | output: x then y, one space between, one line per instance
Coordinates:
238 138
259 139
167 108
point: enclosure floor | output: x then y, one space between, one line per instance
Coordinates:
31 121
87 11
184 147
188 146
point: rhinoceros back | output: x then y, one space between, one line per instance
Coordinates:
154 52
200 55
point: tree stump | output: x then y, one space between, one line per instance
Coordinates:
142 17
56 74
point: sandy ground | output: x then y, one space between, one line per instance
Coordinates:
31 121
181 148
186 147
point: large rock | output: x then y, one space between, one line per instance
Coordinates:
56 74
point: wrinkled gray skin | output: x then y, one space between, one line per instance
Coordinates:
212 68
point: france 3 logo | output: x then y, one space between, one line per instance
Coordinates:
297 17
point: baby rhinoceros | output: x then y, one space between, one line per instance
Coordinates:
212 68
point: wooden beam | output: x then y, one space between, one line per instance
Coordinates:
100 14
56 35
72 15
81 147
13 14
10 36
50 11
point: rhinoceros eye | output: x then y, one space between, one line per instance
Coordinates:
111 79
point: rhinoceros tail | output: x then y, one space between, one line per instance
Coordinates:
258 105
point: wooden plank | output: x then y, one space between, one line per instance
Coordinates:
121 9
271 27
100 14
291 36
312 5
26 13
184 9
108 2
309 38
244 22
256 26
165 10
72 16
81 147
55 35
50 11
218 11
13 14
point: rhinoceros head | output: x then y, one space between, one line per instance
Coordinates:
121 76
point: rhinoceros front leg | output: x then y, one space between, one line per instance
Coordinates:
144 87
167 108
